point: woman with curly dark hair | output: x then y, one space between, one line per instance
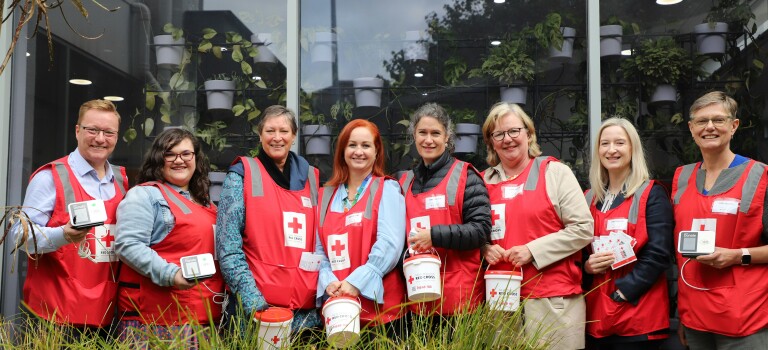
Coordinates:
166 217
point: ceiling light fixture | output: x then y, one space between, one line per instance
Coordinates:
80 81
418 75
499 1
114 98
668 2
626 52
496 42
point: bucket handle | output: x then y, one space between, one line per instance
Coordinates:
407 253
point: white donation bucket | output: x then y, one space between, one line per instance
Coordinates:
342 321
422 277
502 289
274 327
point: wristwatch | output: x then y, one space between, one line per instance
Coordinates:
746 259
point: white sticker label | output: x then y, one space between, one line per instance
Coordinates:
511 191
725 206
295 230
435 202
354 219
616 225
498 221
103 246
310 261
338 251
306 202
708 224
421 222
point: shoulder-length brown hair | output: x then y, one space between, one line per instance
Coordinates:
340 168
152 167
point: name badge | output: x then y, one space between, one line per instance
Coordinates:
310 261
616 225
725 206
353 219
306 202
435 202
511 191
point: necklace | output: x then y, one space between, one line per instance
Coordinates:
349 204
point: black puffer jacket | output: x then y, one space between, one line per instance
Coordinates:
476 209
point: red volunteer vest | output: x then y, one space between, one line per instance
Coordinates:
63 287
651 314
736 304
463 284
279 227
521 212
347 239
192 234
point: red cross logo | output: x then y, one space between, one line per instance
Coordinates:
420 225
295 225
494 217
410 279
327 320
338 247
275 340
493 293
108 239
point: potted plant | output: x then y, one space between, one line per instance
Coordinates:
511 65
710 35
169 48
416 46
658 64
264 54
368 91
551 35
314 129
611 33
219 91
466 128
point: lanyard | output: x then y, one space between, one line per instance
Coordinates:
349 204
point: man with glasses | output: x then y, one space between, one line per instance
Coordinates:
72 278
722 297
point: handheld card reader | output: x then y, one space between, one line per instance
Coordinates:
694 243
87 214
197 267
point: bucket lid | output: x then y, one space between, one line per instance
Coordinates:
340 298
273 314
421 256
503 273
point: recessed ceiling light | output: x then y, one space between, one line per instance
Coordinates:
80 81
626 52
418 75
496 42
668 2
499 1
28 54
114 98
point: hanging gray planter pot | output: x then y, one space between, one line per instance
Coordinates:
217 180
466 138
219 93
514 92
415 47
368 91
168 52
322 49
610 40
664 93
566 52
263 41
317 139
710 40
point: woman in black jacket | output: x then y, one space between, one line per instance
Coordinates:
448 209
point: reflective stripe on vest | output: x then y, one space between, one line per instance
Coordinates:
682 181
171 196
633 209
589 196
69 194
452 186
533 175
118 174
257 188
747 190
328 192
408 180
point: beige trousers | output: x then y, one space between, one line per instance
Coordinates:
559 321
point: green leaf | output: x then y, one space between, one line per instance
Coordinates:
209 33
190 120
247 70
216 51
405 123
129 135
237 54
204 46
177 79
238 110
253 114
150 100
148 125
758 64
261 84
236 38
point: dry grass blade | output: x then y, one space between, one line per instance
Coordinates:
13 216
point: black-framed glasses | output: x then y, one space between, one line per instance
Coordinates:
91 131
185 156
513 133
716 121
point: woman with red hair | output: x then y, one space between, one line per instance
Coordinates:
361 230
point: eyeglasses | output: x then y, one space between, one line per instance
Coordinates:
513 133
185 156
718 122
95 132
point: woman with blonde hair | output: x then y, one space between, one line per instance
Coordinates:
629 303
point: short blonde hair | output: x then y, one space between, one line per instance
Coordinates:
638 173
101 105
499 111
710 98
